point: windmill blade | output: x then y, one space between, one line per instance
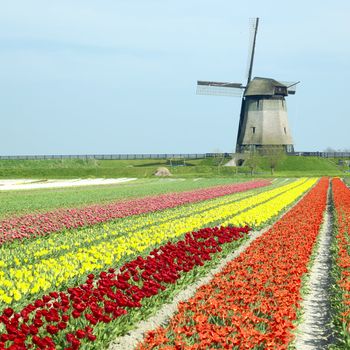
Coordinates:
219 88
240 126
291 86
253 25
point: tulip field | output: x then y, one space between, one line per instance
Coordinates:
79 278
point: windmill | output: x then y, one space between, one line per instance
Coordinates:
263 121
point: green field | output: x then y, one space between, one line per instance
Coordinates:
73 168
209 167
312 166
28 201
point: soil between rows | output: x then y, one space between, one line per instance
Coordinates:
315 332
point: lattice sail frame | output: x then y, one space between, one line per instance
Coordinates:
219 88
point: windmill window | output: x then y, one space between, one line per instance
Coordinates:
253 129
285 130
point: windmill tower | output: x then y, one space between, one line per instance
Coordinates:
263 121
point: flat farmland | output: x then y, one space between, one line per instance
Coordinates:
86 268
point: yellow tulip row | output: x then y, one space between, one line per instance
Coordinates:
51 273
255 217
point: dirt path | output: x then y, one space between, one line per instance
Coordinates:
315 332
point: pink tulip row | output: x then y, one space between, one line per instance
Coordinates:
41 224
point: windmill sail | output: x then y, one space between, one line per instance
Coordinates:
241 120
254 23
219 88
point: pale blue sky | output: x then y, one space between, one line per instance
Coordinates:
119 76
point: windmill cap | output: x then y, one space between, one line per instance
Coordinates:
265 87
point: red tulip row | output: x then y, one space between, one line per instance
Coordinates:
68 318
341 200
252 302
41 224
